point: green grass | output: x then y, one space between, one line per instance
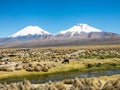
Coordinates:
61 68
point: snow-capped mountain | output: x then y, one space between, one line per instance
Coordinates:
30 31
79 34
77 30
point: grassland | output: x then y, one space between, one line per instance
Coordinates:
99 83
81 66
81 59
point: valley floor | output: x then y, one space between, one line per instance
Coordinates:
18 64
83 65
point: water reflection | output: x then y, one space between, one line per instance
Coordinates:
67 75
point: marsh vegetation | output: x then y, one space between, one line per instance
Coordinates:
101 83
34 62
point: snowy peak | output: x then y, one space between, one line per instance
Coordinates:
79 28
86 28
30 30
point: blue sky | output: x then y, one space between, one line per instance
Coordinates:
57 15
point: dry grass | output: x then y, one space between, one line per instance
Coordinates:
72 66
100 83
59 53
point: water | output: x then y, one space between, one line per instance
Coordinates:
67 75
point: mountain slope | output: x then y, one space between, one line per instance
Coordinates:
81 34
70 41
29 31
77 30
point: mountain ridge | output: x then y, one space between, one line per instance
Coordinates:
77 29
78 34
36 30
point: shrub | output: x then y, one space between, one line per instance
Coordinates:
78 84
37 68
99 64
8 68
45 69
101 57
113 64
60 86
26 85
52 87
13 86
90 65
29 69
117 84
19 67
68 81
108 87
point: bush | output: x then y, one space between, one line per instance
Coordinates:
78 84
68 81
19 67
90 65
101 57
52 87
37 68
7 68
108 87
29 69
45 69
113 64
60 86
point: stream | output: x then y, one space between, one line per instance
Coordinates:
65 75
